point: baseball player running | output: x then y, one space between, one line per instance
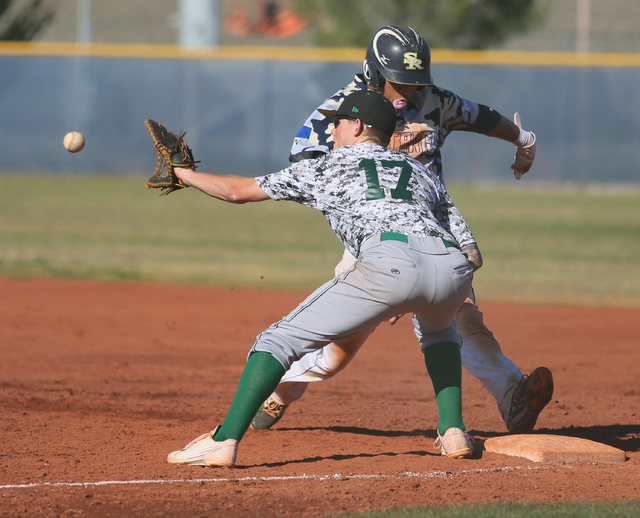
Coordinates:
397 64
395 216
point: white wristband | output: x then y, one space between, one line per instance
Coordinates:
524 139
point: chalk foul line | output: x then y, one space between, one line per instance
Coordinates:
336 476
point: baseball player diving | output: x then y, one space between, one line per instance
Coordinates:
397 64
394 215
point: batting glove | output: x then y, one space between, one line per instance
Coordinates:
526 152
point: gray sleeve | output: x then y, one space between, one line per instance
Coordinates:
450 218
295 183
459 228
314 138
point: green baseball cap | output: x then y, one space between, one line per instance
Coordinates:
372 108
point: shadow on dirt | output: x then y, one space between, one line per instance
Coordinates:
623 437
366 431
310 460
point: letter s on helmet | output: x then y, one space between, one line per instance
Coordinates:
397 54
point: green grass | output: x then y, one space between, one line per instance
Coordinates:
112 228
540 246
556 246
629 509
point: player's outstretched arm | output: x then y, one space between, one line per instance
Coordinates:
505 130
229 188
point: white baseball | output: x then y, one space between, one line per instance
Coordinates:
73 141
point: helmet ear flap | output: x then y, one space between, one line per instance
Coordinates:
372 76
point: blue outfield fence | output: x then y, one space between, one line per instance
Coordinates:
241 111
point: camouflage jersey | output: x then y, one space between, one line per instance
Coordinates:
365 189
421 129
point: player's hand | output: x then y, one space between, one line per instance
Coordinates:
182 173
473 255
393 320
526 150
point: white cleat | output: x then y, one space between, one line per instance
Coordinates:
455 444
204 451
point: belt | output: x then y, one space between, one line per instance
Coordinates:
396 236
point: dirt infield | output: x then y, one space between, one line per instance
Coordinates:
99 381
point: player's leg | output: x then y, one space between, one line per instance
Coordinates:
318 366
483 358
441 348
520 399
445 369
442 358
319 320
218 447
326 362
315 366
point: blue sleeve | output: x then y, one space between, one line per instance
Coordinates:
314 138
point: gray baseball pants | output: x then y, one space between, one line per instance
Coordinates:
394 274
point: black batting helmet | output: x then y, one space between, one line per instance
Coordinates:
397 54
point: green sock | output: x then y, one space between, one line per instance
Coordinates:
259 379
445 368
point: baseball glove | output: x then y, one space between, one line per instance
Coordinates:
172 151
